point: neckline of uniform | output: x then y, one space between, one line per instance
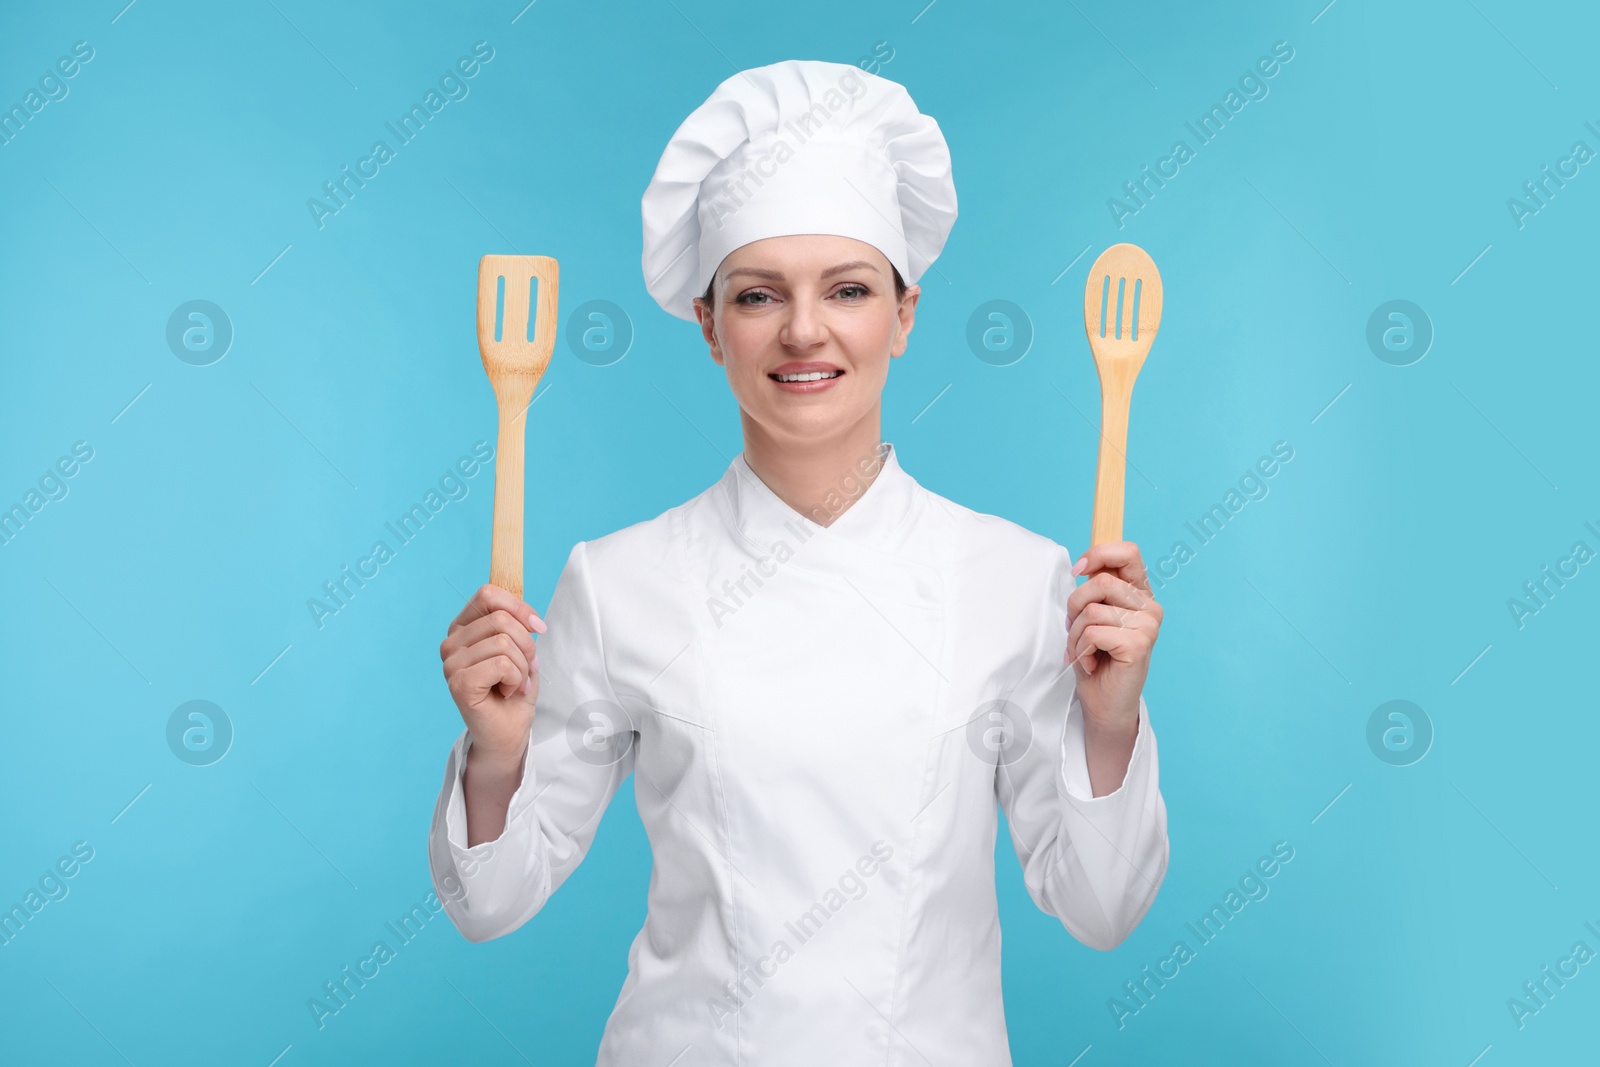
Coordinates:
763 516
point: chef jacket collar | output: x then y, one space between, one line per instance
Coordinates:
874 518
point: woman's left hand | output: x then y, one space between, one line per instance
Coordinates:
1112 624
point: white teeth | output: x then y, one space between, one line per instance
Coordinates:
813 376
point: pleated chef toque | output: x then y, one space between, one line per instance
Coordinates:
802 146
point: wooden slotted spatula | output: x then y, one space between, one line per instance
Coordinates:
1121 313
515 365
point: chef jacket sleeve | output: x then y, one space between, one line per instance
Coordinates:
1095 863
581 747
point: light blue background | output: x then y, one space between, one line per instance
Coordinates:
1379 567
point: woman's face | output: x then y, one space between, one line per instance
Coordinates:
807 303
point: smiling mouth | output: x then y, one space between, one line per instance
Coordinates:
810 376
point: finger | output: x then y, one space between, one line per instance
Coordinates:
491 647
497 672
487 637
1121 558
1124 644
1107 588
1145 622
1091 615
498 621
490 598
1106 616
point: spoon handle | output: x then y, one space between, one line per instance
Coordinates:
1111 469
505 557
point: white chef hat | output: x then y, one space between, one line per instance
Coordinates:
802 146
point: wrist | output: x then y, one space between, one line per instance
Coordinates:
1108 749
1121 724
1117 735
485 762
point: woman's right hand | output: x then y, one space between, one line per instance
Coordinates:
492 667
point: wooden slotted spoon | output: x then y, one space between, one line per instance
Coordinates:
1121 313
515 365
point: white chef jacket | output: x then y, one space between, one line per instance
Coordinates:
812 717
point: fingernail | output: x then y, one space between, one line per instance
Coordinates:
1077 568
527 684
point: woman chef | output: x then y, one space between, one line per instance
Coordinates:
823 676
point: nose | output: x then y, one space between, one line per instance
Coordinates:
803 326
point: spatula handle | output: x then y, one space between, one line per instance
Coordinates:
1112 468
505 558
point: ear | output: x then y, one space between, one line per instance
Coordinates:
708 330
906 318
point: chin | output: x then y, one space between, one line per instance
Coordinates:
819 424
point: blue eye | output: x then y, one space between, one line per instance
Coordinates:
861 288
740 299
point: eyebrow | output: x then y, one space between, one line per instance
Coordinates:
777 276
